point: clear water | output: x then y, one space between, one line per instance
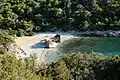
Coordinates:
53 57
105 45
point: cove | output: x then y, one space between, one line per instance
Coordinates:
104 45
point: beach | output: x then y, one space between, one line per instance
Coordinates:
26 43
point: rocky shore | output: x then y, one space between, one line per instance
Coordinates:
109 33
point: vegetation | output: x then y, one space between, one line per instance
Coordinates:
77 66
86 67
5 40
25 16
13 69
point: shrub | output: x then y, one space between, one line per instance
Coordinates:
5 40
13 69
93 66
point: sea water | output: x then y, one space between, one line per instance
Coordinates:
104 45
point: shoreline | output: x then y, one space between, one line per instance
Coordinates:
26 42
96 33
89 33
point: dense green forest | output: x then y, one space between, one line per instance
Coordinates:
73 67
23 17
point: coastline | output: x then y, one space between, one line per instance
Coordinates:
26 42
97 33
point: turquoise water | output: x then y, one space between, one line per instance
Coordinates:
105 45
53 57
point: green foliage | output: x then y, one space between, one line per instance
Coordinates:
81 66
5 40
58 71
93 66
13 69
77 66
2 50
43 15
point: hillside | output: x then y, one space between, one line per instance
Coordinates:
25 23
22 17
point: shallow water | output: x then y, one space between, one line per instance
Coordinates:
105 45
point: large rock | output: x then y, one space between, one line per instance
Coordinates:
56 38
53 42
45 43
113 33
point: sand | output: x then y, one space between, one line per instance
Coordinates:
27 42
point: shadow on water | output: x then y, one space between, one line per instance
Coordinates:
40 44
105 45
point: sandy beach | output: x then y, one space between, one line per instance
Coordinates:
26 42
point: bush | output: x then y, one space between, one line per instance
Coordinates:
2 50
77 66
85 66
68 15
5 40
13 69
81 66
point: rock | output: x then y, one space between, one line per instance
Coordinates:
56 38
118 33
42 44
53 42
45 43
108 33
99 33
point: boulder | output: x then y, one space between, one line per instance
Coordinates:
56 38
45 42
110 33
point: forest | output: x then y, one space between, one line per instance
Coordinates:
24 17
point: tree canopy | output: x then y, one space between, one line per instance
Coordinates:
42 15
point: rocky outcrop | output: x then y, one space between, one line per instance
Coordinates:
56 38
45 43
52 42
108 33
